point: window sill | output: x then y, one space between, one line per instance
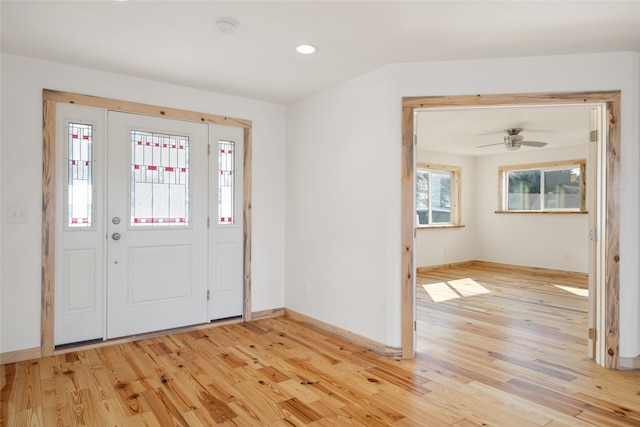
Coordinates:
544 212
426 227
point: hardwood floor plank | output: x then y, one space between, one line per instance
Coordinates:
418 411
533 366
502 401
405 381
260 400
158 404
624 412
299 410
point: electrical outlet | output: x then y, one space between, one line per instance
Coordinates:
17 214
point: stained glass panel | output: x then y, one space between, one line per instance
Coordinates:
226 182
80 176
159 179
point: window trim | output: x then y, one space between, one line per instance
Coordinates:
456 194
504 170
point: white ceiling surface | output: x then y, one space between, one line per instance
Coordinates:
178 42
461 131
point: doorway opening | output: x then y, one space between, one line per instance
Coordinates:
50 188
609 269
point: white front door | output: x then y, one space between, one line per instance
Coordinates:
156 224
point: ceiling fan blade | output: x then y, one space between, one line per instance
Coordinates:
489 145
533 143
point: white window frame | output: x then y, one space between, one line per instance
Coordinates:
503 186
456 180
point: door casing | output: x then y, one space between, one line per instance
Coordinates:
50 99
610 203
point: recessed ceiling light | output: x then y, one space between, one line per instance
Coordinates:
306 49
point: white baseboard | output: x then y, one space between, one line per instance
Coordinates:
345 335
20 355
630 362
265 314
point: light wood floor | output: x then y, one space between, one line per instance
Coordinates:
506 349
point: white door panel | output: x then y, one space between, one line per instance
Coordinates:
79 270
160 273
226 266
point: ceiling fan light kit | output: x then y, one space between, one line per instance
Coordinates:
513 140
511 144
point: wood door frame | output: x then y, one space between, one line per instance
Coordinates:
611 199
50 98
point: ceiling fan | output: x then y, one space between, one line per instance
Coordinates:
513 140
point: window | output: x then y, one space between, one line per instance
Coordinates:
159 179
79 188
437 195
226 182
543 187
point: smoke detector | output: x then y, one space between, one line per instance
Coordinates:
226 25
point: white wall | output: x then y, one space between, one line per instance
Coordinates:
350 262
22 81
342 240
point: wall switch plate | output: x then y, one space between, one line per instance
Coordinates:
17 214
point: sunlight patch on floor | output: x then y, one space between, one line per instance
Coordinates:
576 291
468 287
445 291
440 292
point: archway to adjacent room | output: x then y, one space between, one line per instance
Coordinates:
610 101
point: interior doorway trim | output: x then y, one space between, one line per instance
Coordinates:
611 199
49 99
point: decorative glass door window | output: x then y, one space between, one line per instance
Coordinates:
226 183
79 176
159 179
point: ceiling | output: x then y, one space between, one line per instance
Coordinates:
178 42
461 131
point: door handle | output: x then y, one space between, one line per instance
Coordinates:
116 236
